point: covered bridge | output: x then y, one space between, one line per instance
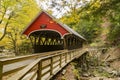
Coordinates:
46 34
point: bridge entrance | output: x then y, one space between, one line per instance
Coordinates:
46 40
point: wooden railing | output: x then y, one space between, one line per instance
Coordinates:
10 66
41 66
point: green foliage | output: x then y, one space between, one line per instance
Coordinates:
110 9
86 25
106 74
21 13
25 47
87 20
63 78
89 29
76 73
113 35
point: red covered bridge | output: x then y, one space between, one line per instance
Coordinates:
46 34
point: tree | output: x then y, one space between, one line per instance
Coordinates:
9 10
84 22
6 13
109 9
13 36
23 11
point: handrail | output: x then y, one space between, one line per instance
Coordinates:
47 71
12 60
21 73
18 63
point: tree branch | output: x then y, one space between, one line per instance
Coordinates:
2 16
6 25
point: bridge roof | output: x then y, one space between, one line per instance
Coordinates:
44 21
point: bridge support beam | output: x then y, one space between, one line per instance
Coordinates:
65 44
1 70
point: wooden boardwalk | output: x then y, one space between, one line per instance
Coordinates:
40 66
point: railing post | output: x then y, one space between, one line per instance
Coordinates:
1 70
39 70
51 66
66 57
60 60
70 55
73 54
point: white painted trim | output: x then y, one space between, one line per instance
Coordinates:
65 34
46 30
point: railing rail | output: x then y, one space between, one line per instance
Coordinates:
12 65
46 67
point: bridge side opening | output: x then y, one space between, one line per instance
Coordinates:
73 42
46 40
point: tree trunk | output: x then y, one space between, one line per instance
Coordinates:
6 25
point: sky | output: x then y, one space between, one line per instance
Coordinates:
45 5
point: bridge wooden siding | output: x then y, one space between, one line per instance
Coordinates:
37 66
